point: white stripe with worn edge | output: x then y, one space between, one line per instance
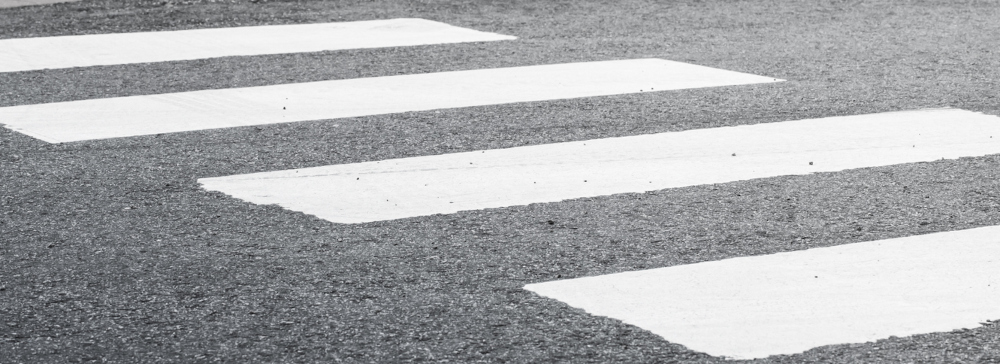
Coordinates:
199 110
24 54
787 303
418 186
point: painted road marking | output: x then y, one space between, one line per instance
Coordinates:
17 3
786 303
209 109
120 48
401 188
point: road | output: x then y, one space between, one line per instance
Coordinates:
118 249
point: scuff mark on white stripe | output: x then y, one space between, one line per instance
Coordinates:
200 110
400 188
25 54
787 303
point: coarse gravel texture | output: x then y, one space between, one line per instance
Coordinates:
111 252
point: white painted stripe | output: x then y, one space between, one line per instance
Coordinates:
401 188
786 303
120 48
199 110
16 3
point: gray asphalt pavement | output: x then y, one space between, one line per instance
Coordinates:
110 251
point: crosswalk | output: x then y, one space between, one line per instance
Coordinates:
419 186
738 308
787 303
26 54
208 109
18 3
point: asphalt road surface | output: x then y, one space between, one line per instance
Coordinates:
112 251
